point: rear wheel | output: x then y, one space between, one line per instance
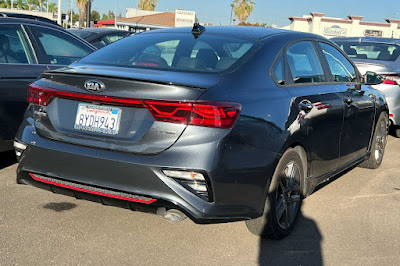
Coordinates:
283 201
374 160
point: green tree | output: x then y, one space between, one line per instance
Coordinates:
243 9
149 5
33 4
21 4
108 16
75 17
94 15
53 7
82 5
252 24
5 4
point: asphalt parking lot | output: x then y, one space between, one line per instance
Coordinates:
355 220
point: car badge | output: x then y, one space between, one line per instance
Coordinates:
94 85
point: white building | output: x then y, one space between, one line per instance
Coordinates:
352 26
148 20
48 15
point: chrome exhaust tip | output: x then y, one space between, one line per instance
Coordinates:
171 215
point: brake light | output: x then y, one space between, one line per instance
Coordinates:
391 79
389 82
39 96
207 114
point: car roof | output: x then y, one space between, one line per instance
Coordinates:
237 31
29 21
367 39
97 30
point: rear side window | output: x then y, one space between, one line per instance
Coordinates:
60 48
370 51
341 69
14 46
278 71
108 39
304 63
174 51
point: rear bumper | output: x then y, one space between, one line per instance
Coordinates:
238 178
392 95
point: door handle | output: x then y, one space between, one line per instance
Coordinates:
306 106
348 100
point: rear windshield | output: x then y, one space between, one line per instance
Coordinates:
82 34
177 52
371 51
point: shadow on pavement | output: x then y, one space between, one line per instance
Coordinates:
301 247
7 159
60 207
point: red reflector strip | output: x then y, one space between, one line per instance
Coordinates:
91 191
205 114
42 96
391 115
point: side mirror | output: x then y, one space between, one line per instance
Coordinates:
371 78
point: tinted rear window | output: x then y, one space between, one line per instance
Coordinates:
371 51
177 52
82 34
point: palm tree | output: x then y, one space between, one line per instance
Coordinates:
243 9
53 7
41 5
33 4
149 5
82 5
21 4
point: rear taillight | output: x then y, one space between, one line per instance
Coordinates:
39 96
391 79
206 114
389 82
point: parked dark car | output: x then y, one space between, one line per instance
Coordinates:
380 55
100 37
223 124
27 48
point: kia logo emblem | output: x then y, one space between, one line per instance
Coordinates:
94 85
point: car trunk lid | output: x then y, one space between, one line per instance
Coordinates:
122 98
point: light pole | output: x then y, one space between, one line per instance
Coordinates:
12 4
115 15
59 18
232 6
71 12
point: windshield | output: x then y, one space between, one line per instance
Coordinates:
371 51
173 51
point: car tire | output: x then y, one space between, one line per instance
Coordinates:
284 199
374 159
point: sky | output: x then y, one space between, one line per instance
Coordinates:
266 11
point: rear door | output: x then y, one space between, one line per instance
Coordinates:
317 106
18 68
359 105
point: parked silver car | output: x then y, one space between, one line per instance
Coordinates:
380 55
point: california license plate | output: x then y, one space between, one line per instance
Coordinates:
100 119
